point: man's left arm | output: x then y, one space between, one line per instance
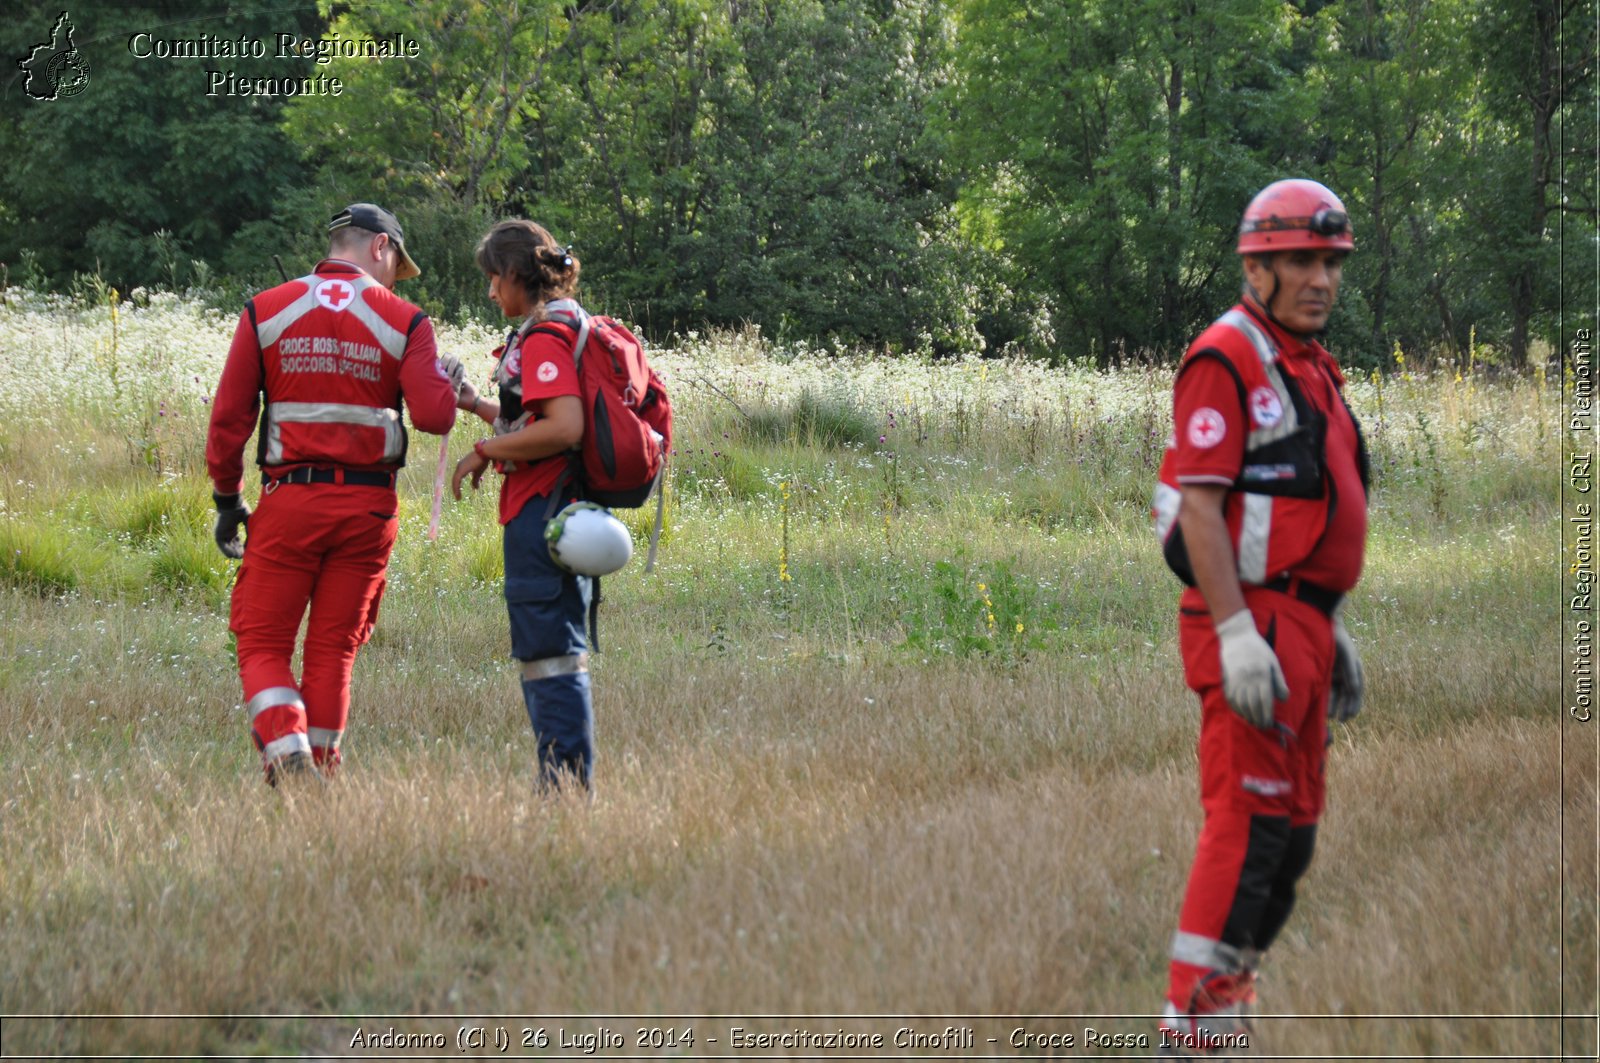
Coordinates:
429 395
1349 681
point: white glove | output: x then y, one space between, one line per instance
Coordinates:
454 371
1344 697
1251 676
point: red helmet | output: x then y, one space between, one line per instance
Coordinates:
1294 214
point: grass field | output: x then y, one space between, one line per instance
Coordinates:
897 727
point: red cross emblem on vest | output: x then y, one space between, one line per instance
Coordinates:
334 295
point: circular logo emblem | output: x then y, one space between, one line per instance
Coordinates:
546 372
1265 407
1206 428
335 294
68 74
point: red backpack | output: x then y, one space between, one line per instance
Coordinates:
627 416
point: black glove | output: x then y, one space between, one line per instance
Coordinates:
1349 681
232 514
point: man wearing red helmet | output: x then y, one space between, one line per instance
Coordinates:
1262 511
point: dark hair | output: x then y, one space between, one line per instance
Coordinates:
527 254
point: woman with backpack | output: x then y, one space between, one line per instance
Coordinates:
538 420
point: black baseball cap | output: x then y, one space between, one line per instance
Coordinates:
375 219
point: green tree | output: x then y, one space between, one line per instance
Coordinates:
761 162
1389 77
143 173
835 200
448 122
1539 88
1112 147
622 151
1450 164
439 138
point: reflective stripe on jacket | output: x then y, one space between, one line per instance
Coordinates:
1279 505
331 348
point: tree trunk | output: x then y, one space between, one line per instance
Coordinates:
1172 324
1544 99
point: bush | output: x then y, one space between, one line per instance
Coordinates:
813 419
42 560
186 561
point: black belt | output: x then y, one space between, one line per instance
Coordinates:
306 474
1321 599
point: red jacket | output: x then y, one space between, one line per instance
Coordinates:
1280 502
333 352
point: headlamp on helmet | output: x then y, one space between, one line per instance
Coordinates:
1329 222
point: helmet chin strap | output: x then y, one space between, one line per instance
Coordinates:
1266 307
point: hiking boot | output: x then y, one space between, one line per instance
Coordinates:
296 771
1219 1022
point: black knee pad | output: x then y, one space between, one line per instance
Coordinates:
1302 842
1258 877
1297 857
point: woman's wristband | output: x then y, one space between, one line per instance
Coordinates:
477 448
476 399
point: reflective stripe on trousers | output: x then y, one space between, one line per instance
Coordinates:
282 747
549 667
323 738
1207 952
271 698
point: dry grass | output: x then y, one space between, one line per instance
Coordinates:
939 858
968 842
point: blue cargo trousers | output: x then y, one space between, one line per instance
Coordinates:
548 608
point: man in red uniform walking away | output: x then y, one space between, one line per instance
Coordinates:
331 353
1262 511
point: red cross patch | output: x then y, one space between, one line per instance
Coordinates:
1265 407
335 294
1206 428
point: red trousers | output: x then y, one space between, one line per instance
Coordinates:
326 546
1262 791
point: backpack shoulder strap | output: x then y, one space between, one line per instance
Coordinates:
570 312
579 344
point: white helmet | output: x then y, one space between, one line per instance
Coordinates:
585 538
